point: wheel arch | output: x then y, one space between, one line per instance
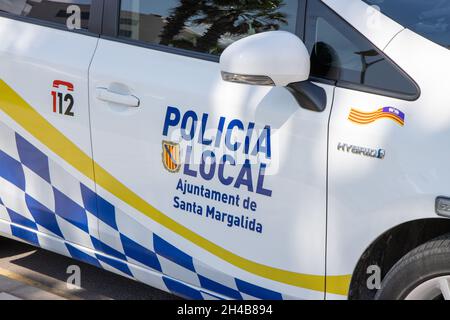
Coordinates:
390 247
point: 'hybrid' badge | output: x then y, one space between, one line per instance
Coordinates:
366 152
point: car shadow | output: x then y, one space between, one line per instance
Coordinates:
50 269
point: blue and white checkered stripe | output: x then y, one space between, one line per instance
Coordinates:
48 207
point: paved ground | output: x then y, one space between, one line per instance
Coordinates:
30 273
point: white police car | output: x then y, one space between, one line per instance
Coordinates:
281 170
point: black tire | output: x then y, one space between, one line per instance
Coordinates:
430 260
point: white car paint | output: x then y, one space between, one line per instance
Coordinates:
324 209
412 175
301 137
29 63
282 74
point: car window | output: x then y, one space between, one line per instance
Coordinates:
207 26
340 53
51 11
429 18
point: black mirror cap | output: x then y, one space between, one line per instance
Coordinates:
309 96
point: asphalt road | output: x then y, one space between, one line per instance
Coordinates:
47 271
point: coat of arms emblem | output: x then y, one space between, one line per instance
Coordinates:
171 156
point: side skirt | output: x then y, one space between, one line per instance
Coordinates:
106 262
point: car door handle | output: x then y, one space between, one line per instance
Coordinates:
128 100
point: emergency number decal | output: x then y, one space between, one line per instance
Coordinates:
63 99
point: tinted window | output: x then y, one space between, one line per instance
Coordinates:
340 53
429 18
207 26
51 11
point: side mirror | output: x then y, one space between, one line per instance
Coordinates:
274 58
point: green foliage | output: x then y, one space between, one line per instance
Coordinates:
233 19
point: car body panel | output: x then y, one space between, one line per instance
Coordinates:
371 195
105 186
35 62
369 21
137 162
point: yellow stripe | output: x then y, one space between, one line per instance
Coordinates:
338 284
365 114
167 158
367 121
365 117
362 120
19 110
356 110
172 157
177 161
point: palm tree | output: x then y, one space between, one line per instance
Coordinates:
178 18
224 17
237 18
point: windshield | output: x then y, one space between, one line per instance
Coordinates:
429 18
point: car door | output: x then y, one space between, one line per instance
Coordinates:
369 126
46 179
214 185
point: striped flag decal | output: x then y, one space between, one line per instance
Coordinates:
390 113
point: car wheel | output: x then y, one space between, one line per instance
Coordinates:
422 274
